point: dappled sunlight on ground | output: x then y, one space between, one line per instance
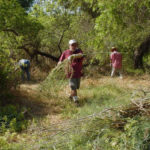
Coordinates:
49 105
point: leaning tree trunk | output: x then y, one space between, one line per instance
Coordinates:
139 53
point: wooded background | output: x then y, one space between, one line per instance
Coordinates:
40 30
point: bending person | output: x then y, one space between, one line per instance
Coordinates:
25 66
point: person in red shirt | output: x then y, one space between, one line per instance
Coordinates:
116 62
75 57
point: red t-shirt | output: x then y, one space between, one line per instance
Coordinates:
76 64
116 59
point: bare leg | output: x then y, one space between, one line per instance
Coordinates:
74 85
120 73
73 93
113 72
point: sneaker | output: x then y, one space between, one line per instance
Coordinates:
76 101
75 98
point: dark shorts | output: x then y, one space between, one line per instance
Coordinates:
74 83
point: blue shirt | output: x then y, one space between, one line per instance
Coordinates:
24 62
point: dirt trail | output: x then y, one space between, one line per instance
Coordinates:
131 82
38 105
47 106
29 87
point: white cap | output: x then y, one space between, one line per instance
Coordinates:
72 42
113 48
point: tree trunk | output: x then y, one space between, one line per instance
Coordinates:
139 53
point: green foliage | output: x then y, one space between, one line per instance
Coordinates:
16 29
5 145
7 73
124 24
12 15
97 26
19 26
59 26
100 133
133 72
14 20
12 119
26 3
89 6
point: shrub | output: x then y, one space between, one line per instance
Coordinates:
11 118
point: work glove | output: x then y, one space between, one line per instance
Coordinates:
59 63
75 56
71 57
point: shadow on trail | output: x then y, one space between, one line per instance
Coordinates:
28 98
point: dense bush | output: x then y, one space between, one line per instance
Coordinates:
7 71
12 119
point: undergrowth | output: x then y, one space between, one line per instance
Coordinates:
12 122
12 119
120 126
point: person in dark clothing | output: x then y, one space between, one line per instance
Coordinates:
25 67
